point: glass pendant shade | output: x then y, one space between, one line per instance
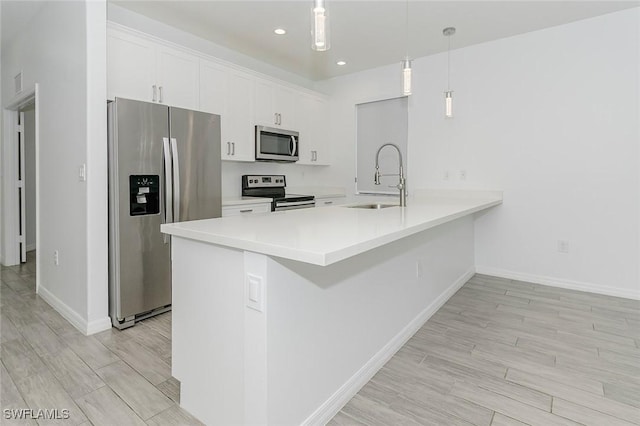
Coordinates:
406 77
319 26
448 104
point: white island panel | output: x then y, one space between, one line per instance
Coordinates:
323 332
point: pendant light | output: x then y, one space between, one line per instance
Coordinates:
448 95
406 62
319 26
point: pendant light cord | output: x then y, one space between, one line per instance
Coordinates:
407 27
449 64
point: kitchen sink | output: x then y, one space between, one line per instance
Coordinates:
374 206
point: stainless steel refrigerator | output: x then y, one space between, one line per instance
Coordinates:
164 166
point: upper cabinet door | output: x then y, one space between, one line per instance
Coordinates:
238 132
264 103
131 65
285 106
213 87
312 118
275 105
178 78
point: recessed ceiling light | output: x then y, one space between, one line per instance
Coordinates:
280 31
341 63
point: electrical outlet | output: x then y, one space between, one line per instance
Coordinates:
563 246
56 258
463 175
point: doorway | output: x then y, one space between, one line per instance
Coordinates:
27 207
20 189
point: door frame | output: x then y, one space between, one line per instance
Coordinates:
10 216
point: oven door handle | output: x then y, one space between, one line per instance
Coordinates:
296 203
294 207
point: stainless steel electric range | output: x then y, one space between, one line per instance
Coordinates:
273 186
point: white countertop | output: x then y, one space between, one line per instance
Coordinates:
240 201
328 235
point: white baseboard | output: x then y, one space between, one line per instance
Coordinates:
86 328
559 282
334 404
98 325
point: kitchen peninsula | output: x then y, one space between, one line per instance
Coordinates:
279 318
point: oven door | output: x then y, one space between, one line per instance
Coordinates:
276 144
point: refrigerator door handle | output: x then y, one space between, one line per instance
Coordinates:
176 179
168 189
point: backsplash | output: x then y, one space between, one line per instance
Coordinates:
297 175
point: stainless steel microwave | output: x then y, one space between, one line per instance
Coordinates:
276 144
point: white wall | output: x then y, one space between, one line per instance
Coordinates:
2 178
54 50
30 176
552 118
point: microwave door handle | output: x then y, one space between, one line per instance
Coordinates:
168 189
293 145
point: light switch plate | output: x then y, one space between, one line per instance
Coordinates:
254 292
82 173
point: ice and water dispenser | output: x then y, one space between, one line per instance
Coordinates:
144 195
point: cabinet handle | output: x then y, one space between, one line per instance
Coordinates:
246 211
279 118
228 148
161 94
233 148
275 118
154 93
328 202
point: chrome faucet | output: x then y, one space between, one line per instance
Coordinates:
402 184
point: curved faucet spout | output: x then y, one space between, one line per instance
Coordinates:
402 184
388 144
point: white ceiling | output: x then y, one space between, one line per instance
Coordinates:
366 34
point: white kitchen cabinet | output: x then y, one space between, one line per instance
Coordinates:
177 78
131 67
229 93
330 201
314 130
245 209
213 87
275 105
238 132
140 68
145 68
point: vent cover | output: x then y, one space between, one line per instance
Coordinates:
17 82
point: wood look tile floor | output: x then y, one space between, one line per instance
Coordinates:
499 352
504 352
112 378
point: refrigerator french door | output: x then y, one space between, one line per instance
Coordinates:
164 166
